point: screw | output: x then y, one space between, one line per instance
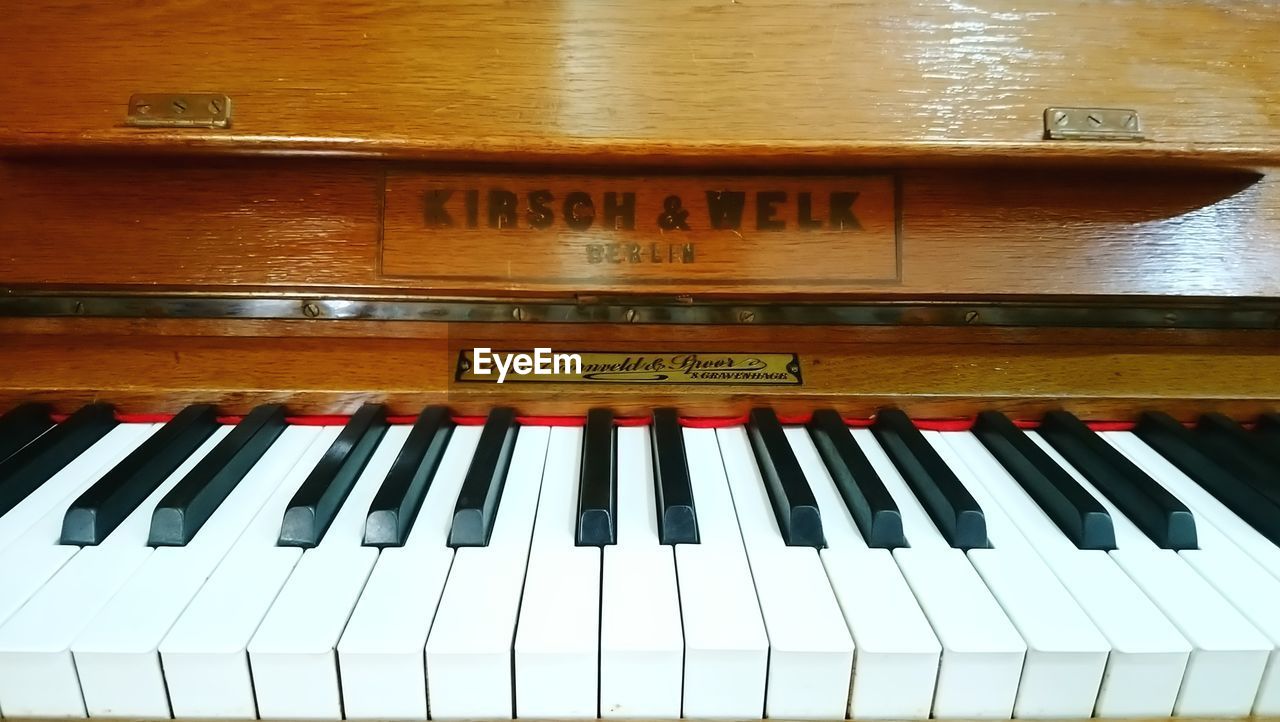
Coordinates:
631 315
971 316
215 106
465 365
79 307
519 314
747 316
1171 317
180 106
142 108
1131 121
1060 117
1095 120
310 310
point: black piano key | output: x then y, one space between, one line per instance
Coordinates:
24 471
1081 517
796 510
400 497
1182 448
1262 457
953 509
598 482
481 492
317 501
1159 514
1240 463
1269 427
191 502
677 518
21 426
102 507
869 502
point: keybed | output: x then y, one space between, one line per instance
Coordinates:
384 571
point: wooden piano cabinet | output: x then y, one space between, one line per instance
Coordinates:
142 225
872 82
330 367
387 185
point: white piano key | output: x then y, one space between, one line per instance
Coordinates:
982 652
641 643
1066 654
558 635
469 652
1148 655
726 648
29 534
37 673
1241 578
48 503
810 650
1228 654
380 655
117 656
204 655
897 654
1202 503
293 653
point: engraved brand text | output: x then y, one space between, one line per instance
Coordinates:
542 362
723 209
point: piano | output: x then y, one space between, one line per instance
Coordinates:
725 360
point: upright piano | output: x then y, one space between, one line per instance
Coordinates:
426 359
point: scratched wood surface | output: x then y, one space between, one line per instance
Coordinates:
331 367
722 81
287 225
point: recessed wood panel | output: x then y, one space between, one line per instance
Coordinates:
573 233
290 225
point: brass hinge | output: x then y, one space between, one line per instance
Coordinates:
179 110
1092 124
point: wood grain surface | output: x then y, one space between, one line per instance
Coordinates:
932 373
285 225
925 90
877 82
572 233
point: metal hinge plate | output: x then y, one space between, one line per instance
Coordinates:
1092 124
179 110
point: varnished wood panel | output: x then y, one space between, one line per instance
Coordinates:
567 233
928 377
304 225
187 224
802 81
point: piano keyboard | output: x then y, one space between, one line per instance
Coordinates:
379 570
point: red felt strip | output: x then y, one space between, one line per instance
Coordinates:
712 422
944 424
1110 425
144 418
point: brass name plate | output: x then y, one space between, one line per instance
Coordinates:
543 365
659 234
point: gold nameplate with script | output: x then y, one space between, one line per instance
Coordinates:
543 365
654 234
